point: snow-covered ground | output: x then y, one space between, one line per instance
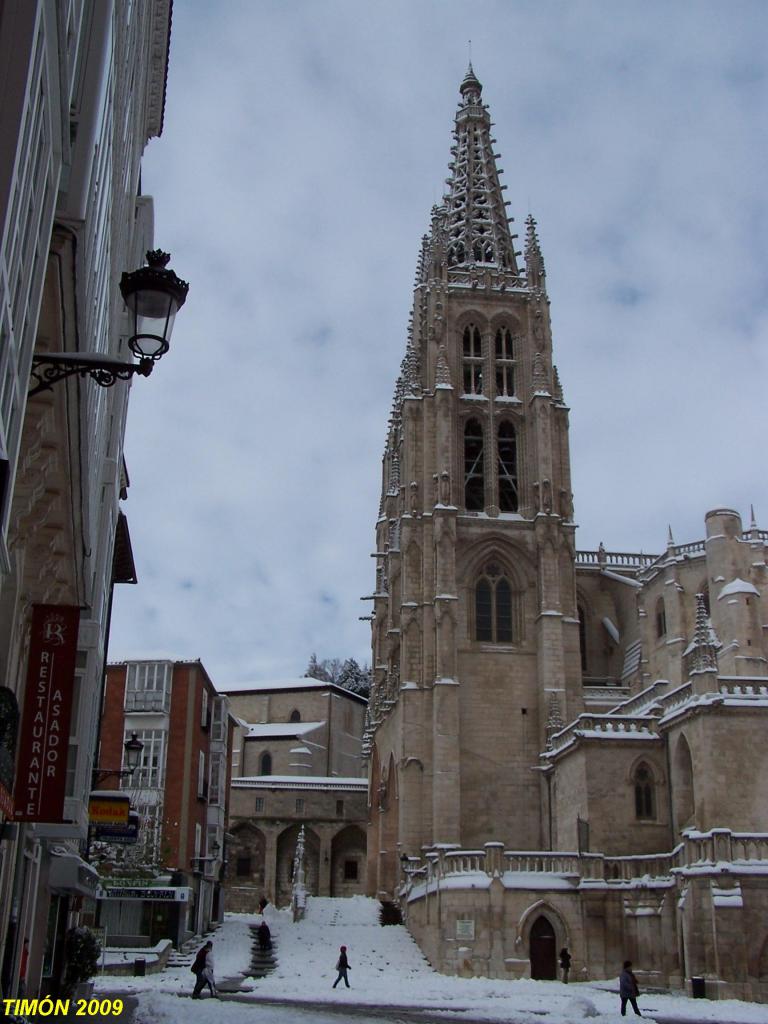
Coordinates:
389 970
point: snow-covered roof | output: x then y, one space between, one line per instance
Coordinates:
299 782
737 586
278 685
280 730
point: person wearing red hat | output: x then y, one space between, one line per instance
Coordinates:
342 966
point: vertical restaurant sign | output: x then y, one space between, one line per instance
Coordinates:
44 738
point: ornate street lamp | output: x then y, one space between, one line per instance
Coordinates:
133 750
154 295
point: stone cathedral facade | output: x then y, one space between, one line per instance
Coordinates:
565 746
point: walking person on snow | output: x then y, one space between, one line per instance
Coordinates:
342 966
565 963
628 989
203 968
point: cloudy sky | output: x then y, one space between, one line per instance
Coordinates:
304 145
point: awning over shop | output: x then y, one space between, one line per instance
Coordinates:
70 873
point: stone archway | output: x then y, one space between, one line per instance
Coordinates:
348 850
542 944
286 850
245 867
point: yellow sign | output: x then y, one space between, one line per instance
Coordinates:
108 810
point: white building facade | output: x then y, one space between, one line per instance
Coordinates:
82 91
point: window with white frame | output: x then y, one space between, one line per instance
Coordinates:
148 686
204 709
202 782
217 782
151 771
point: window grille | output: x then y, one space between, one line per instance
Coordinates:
474 479
473 361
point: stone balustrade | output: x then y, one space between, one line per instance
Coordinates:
614 559
734 689
718 845
608 724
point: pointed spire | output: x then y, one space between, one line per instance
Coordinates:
534 261
394 475
442 371
558 387
470 88
702 651
474 215
670 538
752 520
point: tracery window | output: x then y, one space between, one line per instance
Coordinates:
661 618
494 612
473 360
505 362
507 468
644 794
474 479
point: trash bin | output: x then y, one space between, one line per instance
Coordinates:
698 988
139 967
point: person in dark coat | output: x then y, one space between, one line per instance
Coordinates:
629 990
203 969
342 966
264 936
565 963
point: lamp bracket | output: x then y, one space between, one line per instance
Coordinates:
47 370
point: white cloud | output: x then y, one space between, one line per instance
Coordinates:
304 145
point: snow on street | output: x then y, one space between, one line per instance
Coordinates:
387 970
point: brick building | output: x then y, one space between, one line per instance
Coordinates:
180 793
296 761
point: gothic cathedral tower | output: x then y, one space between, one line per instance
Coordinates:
475 630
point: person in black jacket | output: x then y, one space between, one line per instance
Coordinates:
565 963
342 966
628 989
198 968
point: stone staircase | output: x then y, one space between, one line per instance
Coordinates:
263 961
185 955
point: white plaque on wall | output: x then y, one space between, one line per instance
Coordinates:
465 928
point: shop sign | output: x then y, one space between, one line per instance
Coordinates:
128 833
170 895
108 810
44 738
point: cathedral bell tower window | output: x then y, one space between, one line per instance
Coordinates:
505 363
507 452
473 361
493 607
474 479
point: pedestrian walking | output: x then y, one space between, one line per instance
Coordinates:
629 990
342 966
203 968
264 936
565 963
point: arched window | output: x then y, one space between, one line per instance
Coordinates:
661 618
473 360
507 452
505 362
265 763
494 607
295 715
583 637
644 794
474 480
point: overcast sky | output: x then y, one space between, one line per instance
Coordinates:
303 147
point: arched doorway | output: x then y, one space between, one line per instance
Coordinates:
543 950
348 862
